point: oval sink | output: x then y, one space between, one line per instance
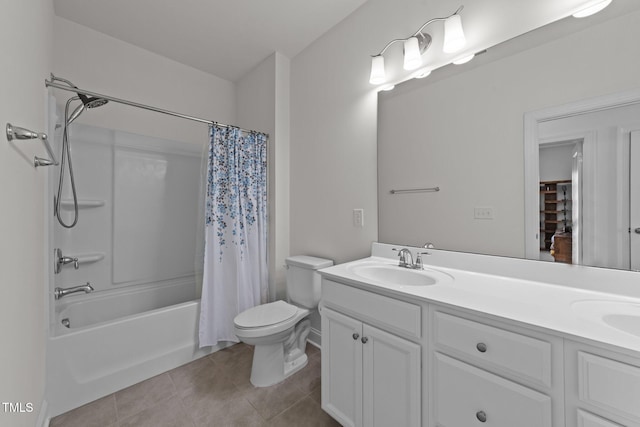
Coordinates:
399 276
625 322
621 315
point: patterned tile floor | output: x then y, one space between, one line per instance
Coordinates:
211 391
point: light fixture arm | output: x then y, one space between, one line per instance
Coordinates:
419 31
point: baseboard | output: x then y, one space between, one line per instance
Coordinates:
315 337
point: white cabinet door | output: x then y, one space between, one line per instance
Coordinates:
391 379
342 368
586 419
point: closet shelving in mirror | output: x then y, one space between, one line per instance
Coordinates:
555 210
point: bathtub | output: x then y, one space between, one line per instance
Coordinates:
118 339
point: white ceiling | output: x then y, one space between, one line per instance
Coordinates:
228 38
206 33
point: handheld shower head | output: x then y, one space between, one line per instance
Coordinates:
92 102
76 113
87 102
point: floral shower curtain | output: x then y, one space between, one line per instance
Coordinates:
235 255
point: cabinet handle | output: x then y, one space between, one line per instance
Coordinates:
481 416
482 347
364 340
355 335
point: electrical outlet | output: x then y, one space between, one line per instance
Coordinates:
482 213
358 218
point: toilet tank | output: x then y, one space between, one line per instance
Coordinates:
303 279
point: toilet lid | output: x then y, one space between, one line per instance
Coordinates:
265 315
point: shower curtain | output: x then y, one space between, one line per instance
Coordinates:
235 247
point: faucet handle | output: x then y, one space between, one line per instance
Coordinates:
418 264
403 260
75 263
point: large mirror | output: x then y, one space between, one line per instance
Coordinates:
462 130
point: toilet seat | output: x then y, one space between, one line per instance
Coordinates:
267 319
265 315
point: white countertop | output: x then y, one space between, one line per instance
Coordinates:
550 306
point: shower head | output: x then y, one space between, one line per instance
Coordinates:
87 102
92 102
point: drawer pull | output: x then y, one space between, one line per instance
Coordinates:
481 416
364 340
355 335
482 347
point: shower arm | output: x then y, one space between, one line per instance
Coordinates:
60 79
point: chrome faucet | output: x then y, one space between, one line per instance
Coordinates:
406 259
63 260
61 292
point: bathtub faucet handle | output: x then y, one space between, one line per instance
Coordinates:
61 260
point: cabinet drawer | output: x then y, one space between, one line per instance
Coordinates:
510 352
586 419
468 396
609 385
392 314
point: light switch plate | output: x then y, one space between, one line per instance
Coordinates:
358 218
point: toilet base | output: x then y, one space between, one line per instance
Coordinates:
269 366
272 363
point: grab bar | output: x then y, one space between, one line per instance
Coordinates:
15 132
416 190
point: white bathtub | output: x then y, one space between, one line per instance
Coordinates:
118 340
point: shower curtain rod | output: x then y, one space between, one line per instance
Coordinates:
136 104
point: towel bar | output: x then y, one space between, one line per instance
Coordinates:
416 190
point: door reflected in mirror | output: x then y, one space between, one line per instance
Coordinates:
593 157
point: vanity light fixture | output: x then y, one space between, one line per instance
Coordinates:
418 43
592 8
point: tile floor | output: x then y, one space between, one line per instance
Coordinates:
211 391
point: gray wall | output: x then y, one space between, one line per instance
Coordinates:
25 42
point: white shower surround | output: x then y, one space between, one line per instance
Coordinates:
141 320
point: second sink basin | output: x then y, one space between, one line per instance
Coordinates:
621 315
399 276
624 322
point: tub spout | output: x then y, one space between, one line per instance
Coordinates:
61 292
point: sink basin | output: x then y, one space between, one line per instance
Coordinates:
398 276
621 315
624 322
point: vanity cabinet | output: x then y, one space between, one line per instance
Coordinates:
392 359
602 388
369 376
498 375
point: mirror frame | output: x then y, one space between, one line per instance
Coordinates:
532 154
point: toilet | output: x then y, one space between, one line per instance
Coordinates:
279 330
